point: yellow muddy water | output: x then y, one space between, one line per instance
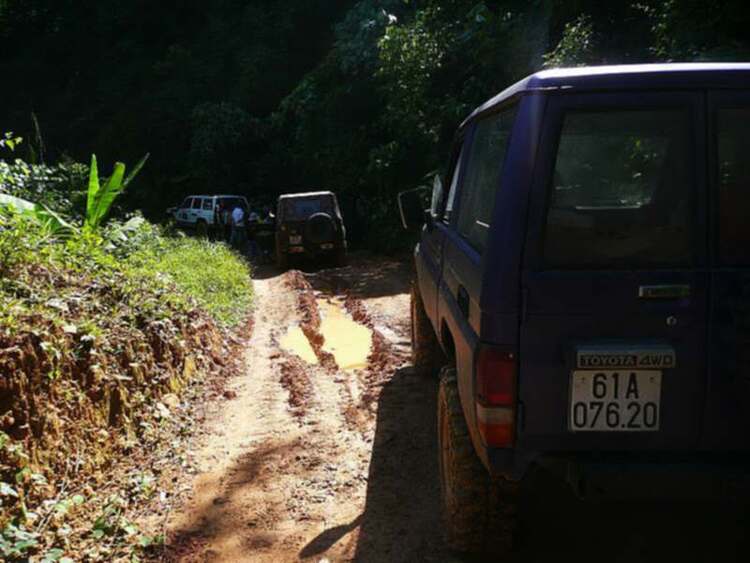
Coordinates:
296 342
348 341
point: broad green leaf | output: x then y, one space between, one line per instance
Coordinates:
53 223
93 189
106 196
135 171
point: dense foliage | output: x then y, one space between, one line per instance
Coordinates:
267 96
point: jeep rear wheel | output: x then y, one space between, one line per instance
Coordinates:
426 354
479 512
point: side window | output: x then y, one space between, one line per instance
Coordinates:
733 132
621 193
197 202
208 204
482 179
451 199
187 203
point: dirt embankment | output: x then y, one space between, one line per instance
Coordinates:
88 384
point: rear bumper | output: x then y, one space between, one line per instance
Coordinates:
312 251
633 476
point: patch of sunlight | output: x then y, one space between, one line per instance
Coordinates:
348 341
296 342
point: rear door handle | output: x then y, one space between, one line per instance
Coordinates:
463 301
664 291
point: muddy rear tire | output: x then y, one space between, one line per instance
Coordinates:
426 354
479 511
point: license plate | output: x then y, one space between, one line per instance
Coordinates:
295 239
615 401
326 246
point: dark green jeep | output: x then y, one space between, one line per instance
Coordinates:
309 225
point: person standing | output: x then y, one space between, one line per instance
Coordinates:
226 222
253 220
239 234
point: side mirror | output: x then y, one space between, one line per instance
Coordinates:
413 207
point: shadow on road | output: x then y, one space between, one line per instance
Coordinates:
363 277
217 510
401 520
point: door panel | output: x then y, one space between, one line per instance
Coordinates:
429 253
429 257
727 421
615 261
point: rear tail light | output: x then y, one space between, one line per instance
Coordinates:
496 371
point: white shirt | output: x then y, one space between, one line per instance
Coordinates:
238 217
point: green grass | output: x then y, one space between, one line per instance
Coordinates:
211 274
153 274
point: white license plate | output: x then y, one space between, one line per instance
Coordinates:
614 401
295 239
326 246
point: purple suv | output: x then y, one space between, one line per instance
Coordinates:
584 271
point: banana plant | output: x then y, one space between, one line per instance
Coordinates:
101 197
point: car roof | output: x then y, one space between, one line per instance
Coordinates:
627 77
305 194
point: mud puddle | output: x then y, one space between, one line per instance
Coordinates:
295 342
348 341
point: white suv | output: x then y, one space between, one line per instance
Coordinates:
202 211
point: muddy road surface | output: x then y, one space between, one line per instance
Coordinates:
327 449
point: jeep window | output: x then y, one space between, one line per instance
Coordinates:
454 186
187 203
208 204
300 209
733 127
197 202
482 179
621 193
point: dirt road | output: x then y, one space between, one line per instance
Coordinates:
314 461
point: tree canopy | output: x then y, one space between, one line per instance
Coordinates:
260 97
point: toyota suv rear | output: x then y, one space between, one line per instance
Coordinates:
584 273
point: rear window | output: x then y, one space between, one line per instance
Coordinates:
734 186
302 208
621 193
208 204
